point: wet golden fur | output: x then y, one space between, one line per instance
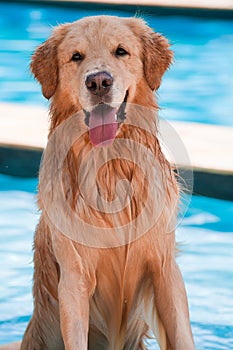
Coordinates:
107 298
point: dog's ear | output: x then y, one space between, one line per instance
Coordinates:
44 63
156 53
44 66
157 58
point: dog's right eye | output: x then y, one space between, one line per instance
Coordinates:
76 57
120 51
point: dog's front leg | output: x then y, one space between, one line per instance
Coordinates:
74 311
73 293
172 306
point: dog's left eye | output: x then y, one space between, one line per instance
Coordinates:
76 57
120 51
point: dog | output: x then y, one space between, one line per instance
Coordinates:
105 274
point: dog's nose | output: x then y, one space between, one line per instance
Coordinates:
99 83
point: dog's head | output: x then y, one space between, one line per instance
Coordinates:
97 64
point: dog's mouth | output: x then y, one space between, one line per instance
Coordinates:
103 122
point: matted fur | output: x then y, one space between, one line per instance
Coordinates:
107 298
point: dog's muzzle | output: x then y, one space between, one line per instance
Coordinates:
103 122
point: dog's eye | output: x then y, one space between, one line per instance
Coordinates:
121 52
76 57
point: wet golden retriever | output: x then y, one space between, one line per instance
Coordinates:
104 249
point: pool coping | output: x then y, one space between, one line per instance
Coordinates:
22 140
216 4
197 8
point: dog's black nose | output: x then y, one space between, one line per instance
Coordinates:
99 83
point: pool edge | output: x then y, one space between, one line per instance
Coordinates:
159 8
24 161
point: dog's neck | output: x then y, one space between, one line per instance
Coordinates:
94 174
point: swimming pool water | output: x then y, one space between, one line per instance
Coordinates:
198 87
206 234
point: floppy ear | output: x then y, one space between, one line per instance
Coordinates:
156 58
44 66
156 55
44 63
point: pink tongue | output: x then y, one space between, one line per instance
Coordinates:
103 126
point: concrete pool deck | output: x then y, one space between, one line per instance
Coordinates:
210 4
199 8
195 4
23 135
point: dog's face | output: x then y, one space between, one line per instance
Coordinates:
100 58
97 64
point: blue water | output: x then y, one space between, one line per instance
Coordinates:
199 86
206 234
